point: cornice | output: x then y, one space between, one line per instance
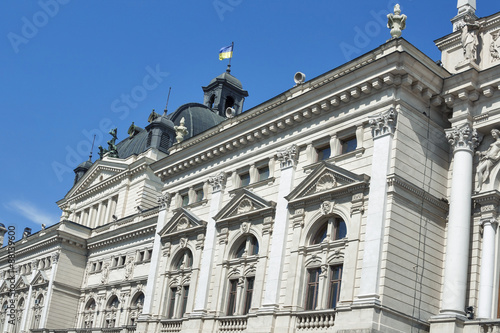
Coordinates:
394 76
126 236
395 181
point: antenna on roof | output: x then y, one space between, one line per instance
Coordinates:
91 149
166 106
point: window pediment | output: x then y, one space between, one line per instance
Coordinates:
183 221
244 203
22 283
327 178
39 279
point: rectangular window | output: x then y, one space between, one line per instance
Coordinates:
148 254
231 301
244 179
171 303
140 256
248 294
263 173
122 260
115 262
185 200
199 195
323 153
185 294
348 144
335 281
94 267
312 288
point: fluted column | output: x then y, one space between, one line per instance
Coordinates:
487 268
383 127
464 140
200 302
288 159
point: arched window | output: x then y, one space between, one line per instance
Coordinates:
136 308
211 101
241 284
111 309
37 312
19 315
113 303
229 102
249 246
89 314
323 282
3 314
184 260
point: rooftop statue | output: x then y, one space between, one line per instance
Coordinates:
180 131
396 22
488 159
469 39
113 152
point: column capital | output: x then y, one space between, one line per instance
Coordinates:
164 201
288 156
463 137
489 221
218 181
383 123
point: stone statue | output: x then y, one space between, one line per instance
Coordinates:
111 143
180 131
488 159
396 22
495 45
469 39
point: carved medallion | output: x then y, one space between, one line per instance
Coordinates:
326 182
245 206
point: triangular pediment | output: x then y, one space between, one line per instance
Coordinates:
326 178
39 279
244 202
182 221
22 283
98 173
4 287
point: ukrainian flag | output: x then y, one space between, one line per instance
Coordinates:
226 52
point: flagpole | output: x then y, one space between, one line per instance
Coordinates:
228 70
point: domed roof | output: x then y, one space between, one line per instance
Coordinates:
198 118
84 165
135 144
229 78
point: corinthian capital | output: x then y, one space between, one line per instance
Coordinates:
218 181
164 200
463 137
383 123
288 156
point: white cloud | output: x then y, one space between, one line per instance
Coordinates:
32 213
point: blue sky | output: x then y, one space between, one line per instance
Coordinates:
72 68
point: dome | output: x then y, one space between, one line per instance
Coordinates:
84 165
198 118
228 78
135 144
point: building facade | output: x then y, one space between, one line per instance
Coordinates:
363 200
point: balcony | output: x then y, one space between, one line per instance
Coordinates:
171 325
319 321
233 324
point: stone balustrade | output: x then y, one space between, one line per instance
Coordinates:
233 324
315 320
171 325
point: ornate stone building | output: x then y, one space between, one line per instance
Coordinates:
362 200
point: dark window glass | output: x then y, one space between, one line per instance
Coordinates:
185 293
254 246
185 200
335 281
312 288
349 144
248 294
244 179
323 153
320 234
199 195
231 302
263 173
171 303
240 250
340 229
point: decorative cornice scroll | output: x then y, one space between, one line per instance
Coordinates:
218 181
463 137
288 156
384 123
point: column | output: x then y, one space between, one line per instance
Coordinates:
50 289
164 203
383 127
487 268
288 159
463 140
202 287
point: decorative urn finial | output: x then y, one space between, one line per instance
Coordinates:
180 131
396 22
